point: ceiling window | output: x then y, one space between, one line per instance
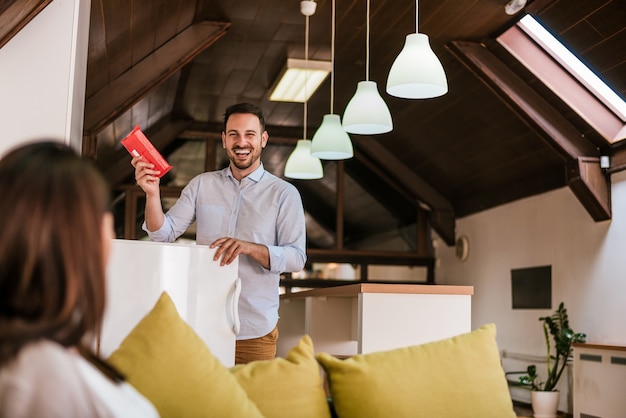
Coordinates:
558 68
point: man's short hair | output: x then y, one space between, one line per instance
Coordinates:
245 108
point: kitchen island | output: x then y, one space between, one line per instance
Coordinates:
362 317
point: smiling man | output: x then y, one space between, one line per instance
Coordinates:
242 210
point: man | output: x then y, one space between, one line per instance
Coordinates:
242 211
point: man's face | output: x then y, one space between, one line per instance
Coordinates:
243 142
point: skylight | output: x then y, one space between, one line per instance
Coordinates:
576 85
569 61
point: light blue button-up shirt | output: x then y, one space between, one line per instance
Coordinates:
263 209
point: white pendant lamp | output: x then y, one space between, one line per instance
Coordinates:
331 141
417 73
301 164
367 113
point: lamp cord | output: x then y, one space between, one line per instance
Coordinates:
306 61
416 20
332 57
367 43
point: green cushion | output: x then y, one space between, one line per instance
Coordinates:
286 387
165 360
452 378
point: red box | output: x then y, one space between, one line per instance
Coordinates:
136 143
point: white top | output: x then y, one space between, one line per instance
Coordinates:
48 380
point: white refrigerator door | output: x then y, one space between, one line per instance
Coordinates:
205 293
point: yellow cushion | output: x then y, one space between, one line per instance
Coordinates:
452 378
286 387
165 360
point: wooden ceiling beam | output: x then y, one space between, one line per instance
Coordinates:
590 185
584 175
375 168
17 15
618 157
122 93
382 188
442 213
536 112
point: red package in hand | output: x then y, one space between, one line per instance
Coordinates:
136 143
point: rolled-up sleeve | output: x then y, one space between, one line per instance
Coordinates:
289 254
179 217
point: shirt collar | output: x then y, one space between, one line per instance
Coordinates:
254 176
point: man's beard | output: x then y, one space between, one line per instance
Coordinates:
244 165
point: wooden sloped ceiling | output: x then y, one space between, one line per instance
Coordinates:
120 94
544 112
128 59
14 15
587 180
507 115
453 156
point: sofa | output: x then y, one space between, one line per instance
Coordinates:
169 364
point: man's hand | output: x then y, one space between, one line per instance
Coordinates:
229 248
147 179
146 176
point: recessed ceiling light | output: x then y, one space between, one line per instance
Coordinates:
299 80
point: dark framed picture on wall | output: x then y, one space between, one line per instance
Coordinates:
531 287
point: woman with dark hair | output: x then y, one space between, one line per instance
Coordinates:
55 238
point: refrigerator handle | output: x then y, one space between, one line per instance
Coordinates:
233 305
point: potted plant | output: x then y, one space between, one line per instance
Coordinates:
555 326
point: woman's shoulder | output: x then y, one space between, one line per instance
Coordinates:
43 374
47 379
43 356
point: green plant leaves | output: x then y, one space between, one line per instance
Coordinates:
557 327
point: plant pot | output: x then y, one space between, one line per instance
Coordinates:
545 403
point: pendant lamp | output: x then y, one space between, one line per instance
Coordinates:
416 72
301 164
367 113
331 141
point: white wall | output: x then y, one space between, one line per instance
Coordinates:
588 262
42 77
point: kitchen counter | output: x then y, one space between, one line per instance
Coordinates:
366 317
